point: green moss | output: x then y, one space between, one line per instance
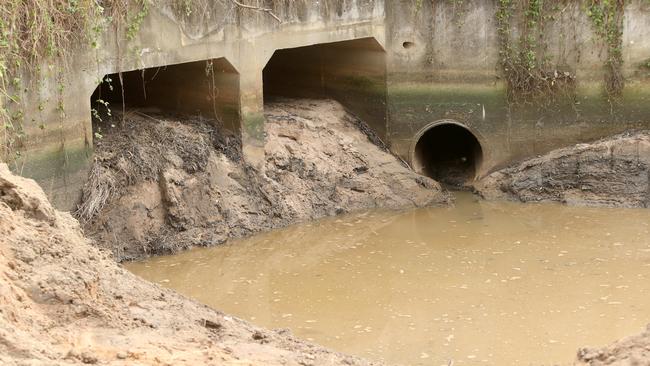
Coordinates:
53 161
254 127
413 105
646 64
418 93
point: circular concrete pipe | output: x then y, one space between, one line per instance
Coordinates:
448 152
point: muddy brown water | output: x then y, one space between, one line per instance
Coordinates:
478 283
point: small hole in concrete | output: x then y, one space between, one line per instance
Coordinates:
408 44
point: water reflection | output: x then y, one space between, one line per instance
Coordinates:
478 283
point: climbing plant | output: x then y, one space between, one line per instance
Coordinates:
37 38
607 20
527 68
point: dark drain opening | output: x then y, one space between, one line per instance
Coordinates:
448 153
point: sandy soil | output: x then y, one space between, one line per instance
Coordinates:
610 172
162 184
63 301
630 351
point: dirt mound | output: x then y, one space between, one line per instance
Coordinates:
609 172
161 184
634 350
63 301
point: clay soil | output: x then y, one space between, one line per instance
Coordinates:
160 184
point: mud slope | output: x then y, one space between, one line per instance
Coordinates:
161 184
609 172
62 301
634 350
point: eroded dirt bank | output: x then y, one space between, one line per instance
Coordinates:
160 184
63 301
634 350
610 172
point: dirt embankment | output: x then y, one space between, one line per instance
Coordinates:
159 184
610 172
630 351
63 301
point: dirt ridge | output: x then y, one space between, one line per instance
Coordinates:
64 301
160 184
612 172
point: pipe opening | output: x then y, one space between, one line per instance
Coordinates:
448 153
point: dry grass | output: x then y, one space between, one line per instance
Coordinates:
98 190
142 147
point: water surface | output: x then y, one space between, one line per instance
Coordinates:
478 283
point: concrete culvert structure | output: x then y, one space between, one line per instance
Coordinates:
208 88
448 153
351 72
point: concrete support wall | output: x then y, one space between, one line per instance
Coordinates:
355 75
443 62
400 65
58 149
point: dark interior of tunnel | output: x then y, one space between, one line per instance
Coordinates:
448 153
351 72
326 70
295 73
209 89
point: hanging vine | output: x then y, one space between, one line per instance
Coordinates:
527 68
607 20
40 35
37 34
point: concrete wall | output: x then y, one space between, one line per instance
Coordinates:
417 62
58 148
450 70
